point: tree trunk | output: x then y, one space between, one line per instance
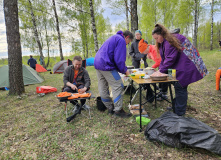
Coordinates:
211 38
127 19
58 30
47 42
134 17
195 23
14 48
127 22
85 34
36 33
93 25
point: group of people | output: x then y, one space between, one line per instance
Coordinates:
171 51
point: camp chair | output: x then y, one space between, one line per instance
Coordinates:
85 107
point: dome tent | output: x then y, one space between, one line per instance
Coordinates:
30 76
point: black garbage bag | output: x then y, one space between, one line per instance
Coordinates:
178 131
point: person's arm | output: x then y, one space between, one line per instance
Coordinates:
171 56
35 61
66 79
28 61
131 52
87 80
120 56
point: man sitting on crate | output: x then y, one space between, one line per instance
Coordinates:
76 77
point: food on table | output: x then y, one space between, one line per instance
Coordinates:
64 94
158 74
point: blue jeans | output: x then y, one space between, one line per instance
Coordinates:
181 99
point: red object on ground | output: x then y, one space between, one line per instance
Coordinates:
39 68
218 75
45 89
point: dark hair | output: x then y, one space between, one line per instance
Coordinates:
78 58
161 30
30 56
128 33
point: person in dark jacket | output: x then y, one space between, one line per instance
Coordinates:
32 62
134 52
76 77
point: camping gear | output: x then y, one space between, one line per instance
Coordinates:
45 89
178 131
30 76
90 61
100 104
61 66
63 95
39 68
144 120
149 70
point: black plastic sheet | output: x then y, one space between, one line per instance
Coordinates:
178 131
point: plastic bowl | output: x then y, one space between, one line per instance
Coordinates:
144 120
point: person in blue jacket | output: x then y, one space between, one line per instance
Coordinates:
32 62
109 60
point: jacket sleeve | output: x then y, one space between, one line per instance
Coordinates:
28 62
66 76
120 56
35 61
131 52
171 55
87 80
157 63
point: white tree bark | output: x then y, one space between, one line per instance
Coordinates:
58 30
36 33
93 25
211 38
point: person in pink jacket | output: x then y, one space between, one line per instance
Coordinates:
150 51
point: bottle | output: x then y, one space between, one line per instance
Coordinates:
170 74
174 73
142 63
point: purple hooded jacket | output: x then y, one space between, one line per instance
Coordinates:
188 63
112 54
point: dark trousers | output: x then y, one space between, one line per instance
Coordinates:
34 68
163 87
181 95
136 64
68 89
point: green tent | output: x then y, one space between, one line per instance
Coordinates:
30 76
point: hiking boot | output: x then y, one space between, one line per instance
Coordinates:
76 109
162 96
122 114
111 111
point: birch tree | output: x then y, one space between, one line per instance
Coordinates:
211 38
93 25
134 17
36 33
58 30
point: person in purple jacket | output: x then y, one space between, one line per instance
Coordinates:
177 52
109 60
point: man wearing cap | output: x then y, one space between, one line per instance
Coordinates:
109 60
134 52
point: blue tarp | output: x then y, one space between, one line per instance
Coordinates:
90 61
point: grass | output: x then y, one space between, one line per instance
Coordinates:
33 127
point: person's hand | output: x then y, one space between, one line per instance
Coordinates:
127 73
73 87
82 90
